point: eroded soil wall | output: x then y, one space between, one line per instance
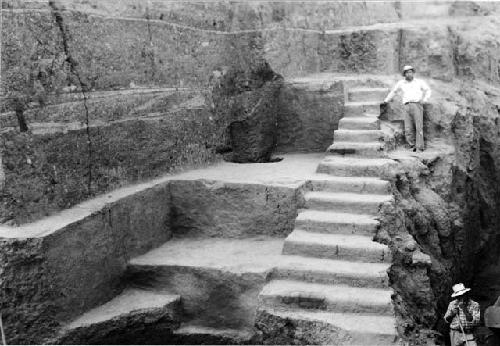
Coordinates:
54 276
111 92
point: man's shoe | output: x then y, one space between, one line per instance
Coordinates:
414 149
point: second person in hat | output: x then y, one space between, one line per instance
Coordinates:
463 315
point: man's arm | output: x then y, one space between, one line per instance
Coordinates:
451 312
427 91
393 92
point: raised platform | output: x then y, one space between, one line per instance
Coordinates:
292 171
216 283
238 256
130 316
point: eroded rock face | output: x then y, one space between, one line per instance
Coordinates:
308 115
248 102
447 208
284 331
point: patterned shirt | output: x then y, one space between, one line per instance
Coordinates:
473 309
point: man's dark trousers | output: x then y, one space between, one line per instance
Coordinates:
414 124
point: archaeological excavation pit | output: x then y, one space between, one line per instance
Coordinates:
229 173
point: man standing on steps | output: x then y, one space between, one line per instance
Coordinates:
463 316
415 92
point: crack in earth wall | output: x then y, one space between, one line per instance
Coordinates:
83 87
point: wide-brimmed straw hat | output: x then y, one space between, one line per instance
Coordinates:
458 290
408 68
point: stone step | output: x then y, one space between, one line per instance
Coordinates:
282 294
132 310
208 271
338 329
367 94
350 184
336 223
357 109
346 202
357 167
192 334
366 81
359 123
364 149
358 136
333 272
356 248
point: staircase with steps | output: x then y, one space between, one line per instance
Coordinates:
331 274
359 131
340 281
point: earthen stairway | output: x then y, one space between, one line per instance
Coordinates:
337 275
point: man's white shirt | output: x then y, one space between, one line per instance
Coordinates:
415 91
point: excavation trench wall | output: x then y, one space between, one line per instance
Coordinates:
111 92
443 228
58 268
54 270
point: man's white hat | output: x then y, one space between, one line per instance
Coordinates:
407 68
458 290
